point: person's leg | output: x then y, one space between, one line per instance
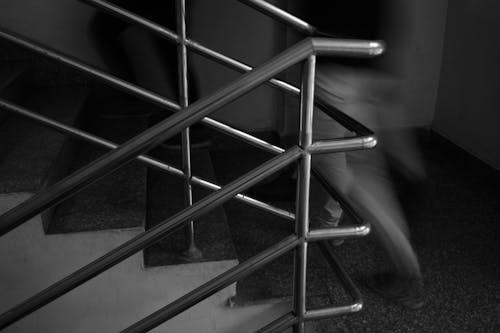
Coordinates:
369 186
325 210
334 88
373 196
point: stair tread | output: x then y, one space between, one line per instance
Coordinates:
254 230
28 149
166 198
116 201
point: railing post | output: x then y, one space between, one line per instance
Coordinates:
192 252
303 184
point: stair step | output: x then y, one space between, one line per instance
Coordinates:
166 197
253 230
29 151
118 200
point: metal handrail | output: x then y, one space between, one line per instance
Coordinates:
218 283
178 121
280 15
120 155
131 88
147 160
225 60
148 237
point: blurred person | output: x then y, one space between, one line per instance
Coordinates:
134 53
369 90
138 55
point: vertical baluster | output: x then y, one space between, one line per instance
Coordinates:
303 183
192 252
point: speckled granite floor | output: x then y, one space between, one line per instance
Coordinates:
455 233
457 240
166 198
118 200
253 230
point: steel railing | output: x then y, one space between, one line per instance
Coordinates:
180 122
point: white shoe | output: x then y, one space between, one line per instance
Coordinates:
327 223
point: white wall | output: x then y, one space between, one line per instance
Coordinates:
468 104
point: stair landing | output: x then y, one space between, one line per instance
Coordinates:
31 261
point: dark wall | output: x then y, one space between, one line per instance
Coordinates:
422 63
245 34
60 24
224 25
468 102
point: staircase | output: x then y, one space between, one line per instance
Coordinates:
104 216
111 221
118 207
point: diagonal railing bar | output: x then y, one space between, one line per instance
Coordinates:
149 237
163 32
149 161
335 193
134 90
135 147
280 15
362 227
92 71
151 138
342 118
178 121
280 324
290 319
211 287
328 252
168 34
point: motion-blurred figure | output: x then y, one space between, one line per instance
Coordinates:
138 55
134 53
369 90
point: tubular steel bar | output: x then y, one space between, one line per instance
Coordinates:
93 72
213 286
279 324
149 161
135 90
168 128
328 251
339 145
344 202
303 186
281 15
151 137
163 32
338 232
192 252
149 237
170 35
342 118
